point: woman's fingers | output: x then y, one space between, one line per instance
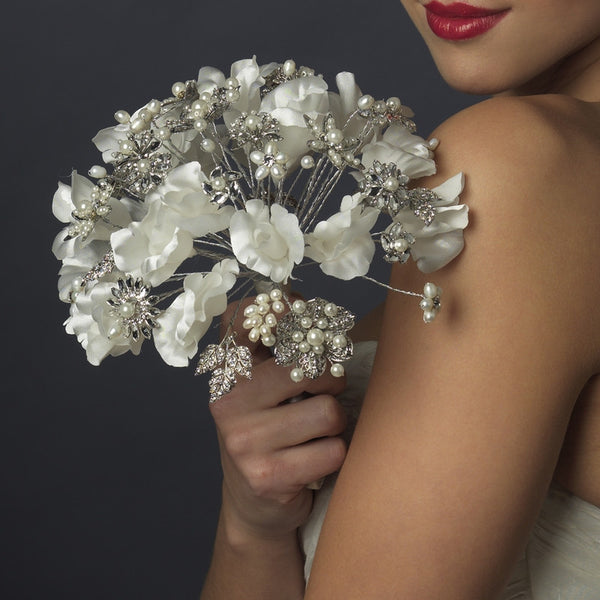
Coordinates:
270 386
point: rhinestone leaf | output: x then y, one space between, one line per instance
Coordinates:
210 359
220 383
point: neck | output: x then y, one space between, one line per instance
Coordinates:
578 75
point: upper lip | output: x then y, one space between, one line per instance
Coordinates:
459 9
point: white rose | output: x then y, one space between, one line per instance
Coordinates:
90 321
441 241
342 244
182 325
152 248
267 241
185 204
403 148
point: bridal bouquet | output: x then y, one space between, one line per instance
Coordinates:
229 187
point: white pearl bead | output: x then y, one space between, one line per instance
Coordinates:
254 334
262 298
277 172
276 294
248 323
315 337
76 283
154 106
145 114
281 158
322 323
339 341
206 97
232 95
200 107
231 83
264 330
250 310
318 350
426 304
114 330
200 124
337 370
307 162
126 146
297 336
262 172
102 211
97 172
218 183
127 309
278 306
299 306
288 68
143 165
268 340
391 184
306 322
256 320
335 136
257 157
328 336
433 143
263 309
122 116
365 102
394 103
271 148
400 245
379 106
178 88
251 122
271 320
208 145
138 125
430 290
429 316
330 309
296 375
164 133
304 347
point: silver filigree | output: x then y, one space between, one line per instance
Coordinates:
222 185
282 73
330 141
382 113
384 187
396 243
100 269
226 361
253 129
134 308
95 208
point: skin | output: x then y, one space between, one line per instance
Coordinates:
461 436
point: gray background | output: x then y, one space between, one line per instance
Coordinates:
110 475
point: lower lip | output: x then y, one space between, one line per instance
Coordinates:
461 26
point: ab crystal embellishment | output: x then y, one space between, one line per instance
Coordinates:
226 189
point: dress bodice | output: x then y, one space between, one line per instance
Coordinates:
562 557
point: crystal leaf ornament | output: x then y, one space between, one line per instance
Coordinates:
225 189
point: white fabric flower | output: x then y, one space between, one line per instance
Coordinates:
185 204
267 241
405 149
68 198
342 244
75 267
288 103
441 241
90 321
182 325
345 103
152 248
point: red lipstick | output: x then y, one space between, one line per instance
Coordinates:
460 21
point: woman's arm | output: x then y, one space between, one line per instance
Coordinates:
464 418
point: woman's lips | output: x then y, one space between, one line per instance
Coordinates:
460 21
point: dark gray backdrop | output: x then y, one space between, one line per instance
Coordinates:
110 475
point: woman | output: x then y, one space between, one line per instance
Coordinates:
473 425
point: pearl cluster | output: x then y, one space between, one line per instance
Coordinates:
260 316
254 129
312 333
96 207
329 140
384 112
270 162
431 303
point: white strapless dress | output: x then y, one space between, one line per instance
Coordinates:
562 557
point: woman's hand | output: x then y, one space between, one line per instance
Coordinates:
271 450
